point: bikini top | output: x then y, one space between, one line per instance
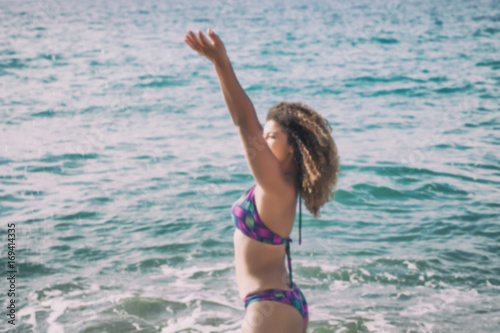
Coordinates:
246 218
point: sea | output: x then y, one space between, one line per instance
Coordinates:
119 162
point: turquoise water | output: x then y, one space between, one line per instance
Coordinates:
119 162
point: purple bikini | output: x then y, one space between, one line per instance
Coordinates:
247 219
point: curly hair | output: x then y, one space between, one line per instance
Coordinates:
315 151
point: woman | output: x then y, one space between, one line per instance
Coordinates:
293 155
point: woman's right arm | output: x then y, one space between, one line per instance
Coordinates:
238 103
265 166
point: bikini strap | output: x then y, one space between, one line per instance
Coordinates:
300 233
300 210
287 248
300 205
289 240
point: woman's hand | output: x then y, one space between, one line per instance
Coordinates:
215 52
239 105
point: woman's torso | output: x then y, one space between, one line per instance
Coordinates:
261 266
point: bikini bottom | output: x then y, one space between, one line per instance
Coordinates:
293 297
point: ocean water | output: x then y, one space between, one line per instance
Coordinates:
119 162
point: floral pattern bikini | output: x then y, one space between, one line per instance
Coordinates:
247 219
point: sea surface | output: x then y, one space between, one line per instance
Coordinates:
119 162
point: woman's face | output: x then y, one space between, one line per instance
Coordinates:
277 141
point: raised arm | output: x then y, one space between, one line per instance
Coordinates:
237 101
265 166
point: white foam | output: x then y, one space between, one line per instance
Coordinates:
185 272
28 311
52 293
58 306
191 322
94 287
404 293
488 283
378 323
452 295
325 264
419 309
410 265
443 285
446 300
183 280
338 285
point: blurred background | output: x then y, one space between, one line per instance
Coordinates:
119 161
